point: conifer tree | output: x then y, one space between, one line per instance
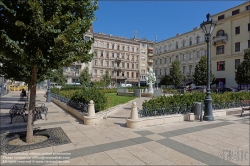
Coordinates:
85 77
175 73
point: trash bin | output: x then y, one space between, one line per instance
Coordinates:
197 108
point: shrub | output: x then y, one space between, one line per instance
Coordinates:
85 95
54 90
71 87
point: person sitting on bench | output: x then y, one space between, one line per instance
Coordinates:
23 93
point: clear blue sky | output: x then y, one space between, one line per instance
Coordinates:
150 18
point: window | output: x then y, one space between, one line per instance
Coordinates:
127 57
128 74
96 44
160 61
107 63
107 54
220 33
133 49
123 48
137 66
137 58
127 65
122 55
143 58
190 42
221 17
176 46
183 44
237 47
137 50
237 30
237 62
113 55
87 38
190 68
95 52
101 53
183 69
101 45
96 62
95 72
127 48
219 50
101 62
235 12
165 60
165 48
123 64
101 73
113 64
113 46
221 66
248 7
118 55
118 47
197 40
176 57
198 54
132 74
249 27
107 45
248 44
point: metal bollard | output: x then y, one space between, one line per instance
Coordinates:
201 118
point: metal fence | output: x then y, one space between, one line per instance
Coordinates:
79 106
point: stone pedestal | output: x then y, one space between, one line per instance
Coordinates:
134 121
91 119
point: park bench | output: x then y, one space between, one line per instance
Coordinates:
245 104
21 110
40 110
18 110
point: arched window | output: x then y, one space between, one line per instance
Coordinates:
197 40
101 44
176 45
160 50
220 33
183 43
190 41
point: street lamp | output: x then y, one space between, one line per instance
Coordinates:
139 79
208 28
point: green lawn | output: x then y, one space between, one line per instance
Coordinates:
114 100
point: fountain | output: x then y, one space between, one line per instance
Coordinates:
150 79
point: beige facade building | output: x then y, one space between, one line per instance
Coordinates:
72 72
118 55
146 56
187 48
230 38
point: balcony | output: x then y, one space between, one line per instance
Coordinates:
71 74
150 54
118 68
220 39
119 77
118 59
150 61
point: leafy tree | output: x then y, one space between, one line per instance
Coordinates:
46 34
57 76
106 78
242 75
166 80
85 79
200 74
175 73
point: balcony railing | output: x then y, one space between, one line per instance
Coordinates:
220 39
150 60
119 77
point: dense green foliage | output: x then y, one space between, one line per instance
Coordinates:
242 75
85 79
56 76
106 78
166 80
71 87
175 74
200 74
190 98
87 94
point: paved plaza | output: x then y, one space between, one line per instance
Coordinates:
224 141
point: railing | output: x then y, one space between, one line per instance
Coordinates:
118 77
222 38
79 106
150 60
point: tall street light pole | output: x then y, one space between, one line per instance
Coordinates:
139 79
208 28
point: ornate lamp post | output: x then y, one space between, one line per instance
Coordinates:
150 79
208 28
139 79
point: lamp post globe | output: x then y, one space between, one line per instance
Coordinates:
208 27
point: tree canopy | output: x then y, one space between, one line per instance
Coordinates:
85 79
242 75
200 74
175 73
106 78
46 35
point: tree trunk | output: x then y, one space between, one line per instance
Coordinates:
32 102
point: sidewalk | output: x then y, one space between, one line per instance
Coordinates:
224 141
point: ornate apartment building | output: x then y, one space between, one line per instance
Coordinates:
230 38
72 72
118 55
187 48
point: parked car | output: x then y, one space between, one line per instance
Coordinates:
245 90
227 89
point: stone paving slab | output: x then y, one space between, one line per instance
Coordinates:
111 143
